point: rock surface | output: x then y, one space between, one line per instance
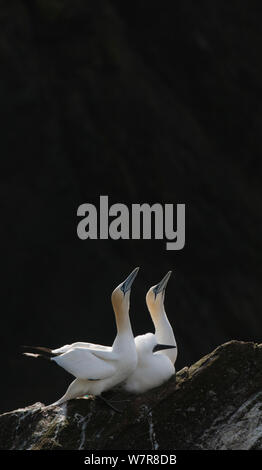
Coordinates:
214 404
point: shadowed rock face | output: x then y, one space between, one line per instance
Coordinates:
214 404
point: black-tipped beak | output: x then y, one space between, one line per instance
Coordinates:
126 286
160 287
160 347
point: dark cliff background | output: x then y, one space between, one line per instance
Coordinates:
142 102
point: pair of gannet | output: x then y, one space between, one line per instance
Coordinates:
134 363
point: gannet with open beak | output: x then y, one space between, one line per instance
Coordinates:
163 330
95 367
152 369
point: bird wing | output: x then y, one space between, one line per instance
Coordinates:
106 354
84 364
80 344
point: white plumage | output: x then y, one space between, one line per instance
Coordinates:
81 344
96 367
88 364
152 369
163 330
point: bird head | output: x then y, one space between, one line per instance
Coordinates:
147 344
156 294
121 294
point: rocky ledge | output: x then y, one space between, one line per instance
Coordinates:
214 404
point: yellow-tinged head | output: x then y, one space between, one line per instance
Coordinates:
156 294
121 295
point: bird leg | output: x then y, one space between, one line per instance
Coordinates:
74 390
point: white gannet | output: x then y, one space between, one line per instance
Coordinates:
163 330
95 367
152 369
156 353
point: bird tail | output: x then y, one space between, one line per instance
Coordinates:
39 352
37 356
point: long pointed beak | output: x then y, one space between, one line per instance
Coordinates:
160 287
160 347
126 286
